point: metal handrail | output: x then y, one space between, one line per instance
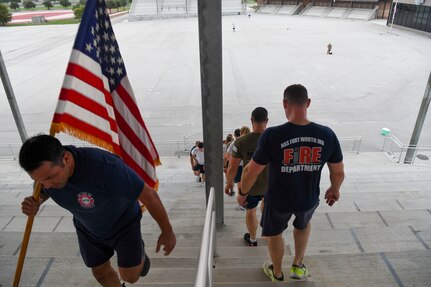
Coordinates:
397 150
356 146
164 147
208 247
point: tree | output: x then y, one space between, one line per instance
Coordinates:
121 3
65 3
14 5
28 4
5 15
110 4
78 10
48 4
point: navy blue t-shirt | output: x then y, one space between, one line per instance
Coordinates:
296 156
101 194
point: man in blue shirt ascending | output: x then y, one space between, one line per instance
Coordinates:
102 193
296 153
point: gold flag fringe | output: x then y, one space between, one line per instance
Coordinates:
66 128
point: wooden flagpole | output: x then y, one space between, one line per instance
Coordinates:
26 239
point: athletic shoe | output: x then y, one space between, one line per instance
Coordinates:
147 262
297 272
268 269
247 239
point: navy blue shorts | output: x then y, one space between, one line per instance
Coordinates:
127 243
199 167
238 174
274 223
252 201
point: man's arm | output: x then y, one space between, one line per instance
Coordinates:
151 199
249 176
336 176
192 161
231 172
195 161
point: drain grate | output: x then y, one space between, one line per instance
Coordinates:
422 157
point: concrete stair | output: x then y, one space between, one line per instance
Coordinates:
375 236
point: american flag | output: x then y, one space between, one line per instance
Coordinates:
96 102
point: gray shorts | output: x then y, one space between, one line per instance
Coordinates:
274 223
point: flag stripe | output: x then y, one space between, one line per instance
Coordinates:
132 119
128 130
81 59
136 154
85 116
87 77
90 65
88 104
141 172
128 88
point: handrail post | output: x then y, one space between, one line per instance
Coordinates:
204 271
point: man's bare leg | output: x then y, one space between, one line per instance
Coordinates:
251 222
106 275
300 238
276 251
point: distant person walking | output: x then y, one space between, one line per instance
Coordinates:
243 149
329 51
192 162
296 153
228 156
233 27
199 161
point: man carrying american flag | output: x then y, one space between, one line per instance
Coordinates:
100 188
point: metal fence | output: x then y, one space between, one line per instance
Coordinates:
351 144
165 148
397 151
203 276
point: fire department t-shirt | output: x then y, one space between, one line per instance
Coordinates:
101 194
296 156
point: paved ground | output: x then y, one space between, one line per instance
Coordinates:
374 79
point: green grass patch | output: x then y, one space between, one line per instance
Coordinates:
51 22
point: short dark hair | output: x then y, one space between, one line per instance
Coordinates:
296 94
237 133
259 115
229 138
38 149
200 145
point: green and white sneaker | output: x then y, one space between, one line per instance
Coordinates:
297 272
268 269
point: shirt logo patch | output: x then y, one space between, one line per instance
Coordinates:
86 200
